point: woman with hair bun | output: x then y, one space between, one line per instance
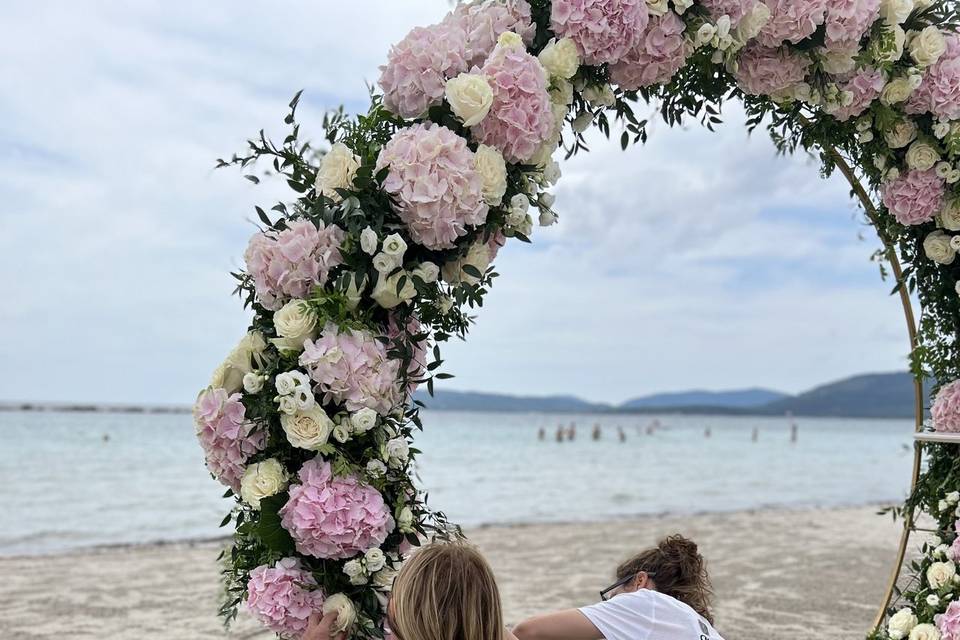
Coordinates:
662 593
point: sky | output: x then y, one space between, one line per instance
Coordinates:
697 260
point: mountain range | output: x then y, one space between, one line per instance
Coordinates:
874 395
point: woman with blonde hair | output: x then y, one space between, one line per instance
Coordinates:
444 591
662 593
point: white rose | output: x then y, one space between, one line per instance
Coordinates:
309 429
368 241
927 46
394 245
921 156
943 169
243 359
560 58
941 130
375 559
953 497
295 322
896 91
405 520
364 420
551 172
385 263
384 578
354 569
942 504
933 600
253 382
397 452
519 204
953 176
657 7
288 406
940 573
262 480
937 247
478 257
493 173
346 612
895 12
509 39
547 218
426 271
376 469
901 623
341 433
925 632
386 294
705 34
470 97
902 134
286 383
337 170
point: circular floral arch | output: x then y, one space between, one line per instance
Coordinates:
387 244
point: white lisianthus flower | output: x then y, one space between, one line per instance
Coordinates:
902 134
941 504
933 600
560 58
384 578
368 241
493 173
262 480
943 169
354 292
397 452
922 156
376 469
953 497
346 612
404 520
927 46
953 177
838 62
955 243
364 420
682 5
385 263
478 257
892 174
600 96
355 569
925 631
295 322
657 7
288 406
547 218
896 91
941 551
386 292
941 130
470 97
722 38
705 34
285 383
253 382
426 271
551 172
901 623
341 433
519 203
337 170
374 559
940 573
509 39
394 245
937 247
895 12
309 429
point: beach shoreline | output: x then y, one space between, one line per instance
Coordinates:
778 573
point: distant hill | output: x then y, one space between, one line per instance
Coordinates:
476 401
741 398
875 395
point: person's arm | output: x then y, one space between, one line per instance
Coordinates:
563 625
321 627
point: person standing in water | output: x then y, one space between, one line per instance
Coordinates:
597 431
542 434
621 434
572 432
756 434
560 433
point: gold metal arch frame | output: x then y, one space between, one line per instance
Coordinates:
910 319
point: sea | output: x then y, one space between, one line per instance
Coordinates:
74 480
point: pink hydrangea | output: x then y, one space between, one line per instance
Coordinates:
418 67
661 52
915 197
278 597
939 91
948 622
946 408
847 21
734 9
484 20
521 117
290 263
603 30
352 367
334 518
770 72
434 178
227 437
954 551
791 21
865 84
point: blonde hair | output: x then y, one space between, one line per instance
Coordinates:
446 591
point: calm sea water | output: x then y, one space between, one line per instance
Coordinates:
65 486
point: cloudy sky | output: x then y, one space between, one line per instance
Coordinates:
698 260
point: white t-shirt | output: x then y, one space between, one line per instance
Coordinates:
647 615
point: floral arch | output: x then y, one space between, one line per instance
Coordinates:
387 245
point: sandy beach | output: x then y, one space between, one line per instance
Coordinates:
778 575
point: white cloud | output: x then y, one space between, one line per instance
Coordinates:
698 259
